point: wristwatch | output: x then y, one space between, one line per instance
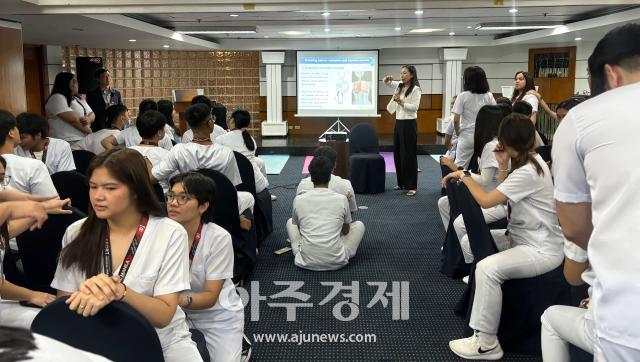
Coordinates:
189 301
466 173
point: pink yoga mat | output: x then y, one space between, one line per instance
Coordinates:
390 167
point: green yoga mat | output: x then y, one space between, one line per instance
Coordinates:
274 163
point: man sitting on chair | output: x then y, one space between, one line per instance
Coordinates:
321 232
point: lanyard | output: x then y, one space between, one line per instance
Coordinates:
126 263
194 246
44 151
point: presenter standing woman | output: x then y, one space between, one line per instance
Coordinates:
405 102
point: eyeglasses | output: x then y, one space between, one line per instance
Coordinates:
4 180
181 198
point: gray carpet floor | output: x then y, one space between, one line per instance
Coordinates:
401 243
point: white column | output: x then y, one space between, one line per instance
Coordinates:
452 76
274 125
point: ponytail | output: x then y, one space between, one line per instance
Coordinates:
242 119
248 140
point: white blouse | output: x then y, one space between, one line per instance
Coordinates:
409 109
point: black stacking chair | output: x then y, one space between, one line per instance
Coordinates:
262 211
453 264
366 165
118 331
544 152
225 214
73 185
38 250
201 343
523 300
82 159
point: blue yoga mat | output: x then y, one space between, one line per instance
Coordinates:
274 163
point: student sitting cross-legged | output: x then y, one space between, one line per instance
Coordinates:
321 232
212 304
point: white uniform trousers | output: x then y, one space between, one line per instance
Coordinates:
223 337
12 314
561 325
245 201
464 149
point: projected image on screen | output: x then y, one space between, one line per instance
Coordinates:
337 83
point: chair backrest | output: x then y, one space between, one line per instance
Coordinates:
480 239
453 264
225 211
73 185
38 250
544 152
82 158
246 174
363 139
118 331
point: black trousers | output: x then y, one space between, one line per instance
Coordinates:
405 149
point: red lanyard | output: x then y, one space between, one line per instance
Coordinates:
126 263
194 246
44 151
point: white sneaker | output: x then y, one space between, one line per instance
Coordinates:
470 348
465 280
274 197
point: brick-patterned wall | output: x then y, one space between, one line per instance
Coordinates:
228 77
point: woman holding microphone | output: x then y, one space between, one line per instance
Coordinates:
405 102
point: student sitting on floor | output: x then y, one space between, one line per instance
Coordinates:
212 304
117 118
336 183
23 174
35 143
533 234
320 230
130 136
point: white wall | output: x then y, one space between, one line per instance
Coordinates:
499 62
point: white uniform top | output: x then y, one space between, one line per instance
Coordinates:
488 163
130 137
51 350
29 175
59 128
185 157
451 131
59 156
172 134
533 219
235 142
187 136
337 184
213 260
155 155
320 214
532 100
467 105
594 162
91 142
411 102
159 267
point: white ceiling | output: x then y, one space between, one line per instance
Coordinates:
351 24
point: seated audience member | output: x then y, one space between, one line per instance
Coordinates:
217 130
151 126
35 143
145 255
525 108
200 153
505 105
23 174
165 107
238 139
69 115
562 324
485 142
320 230
336 183
130 136
212 303
534 235
117 118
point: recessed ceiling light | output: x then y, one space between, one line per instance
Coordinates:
419 12
327 29
293 32
132 40
234 15
266 36
577 39
469 26
428 30
397 28
452 33
165 46
513 10
326 13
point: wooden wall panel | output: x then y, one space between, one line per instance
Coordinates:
430 110
34 78
12 85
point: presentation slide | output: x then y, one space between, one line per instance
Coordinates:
337 83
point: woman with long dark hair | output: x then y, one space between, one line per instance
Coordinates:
126 250
165 107
523 84
69 115
534 239
475 95
405 103
211 303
